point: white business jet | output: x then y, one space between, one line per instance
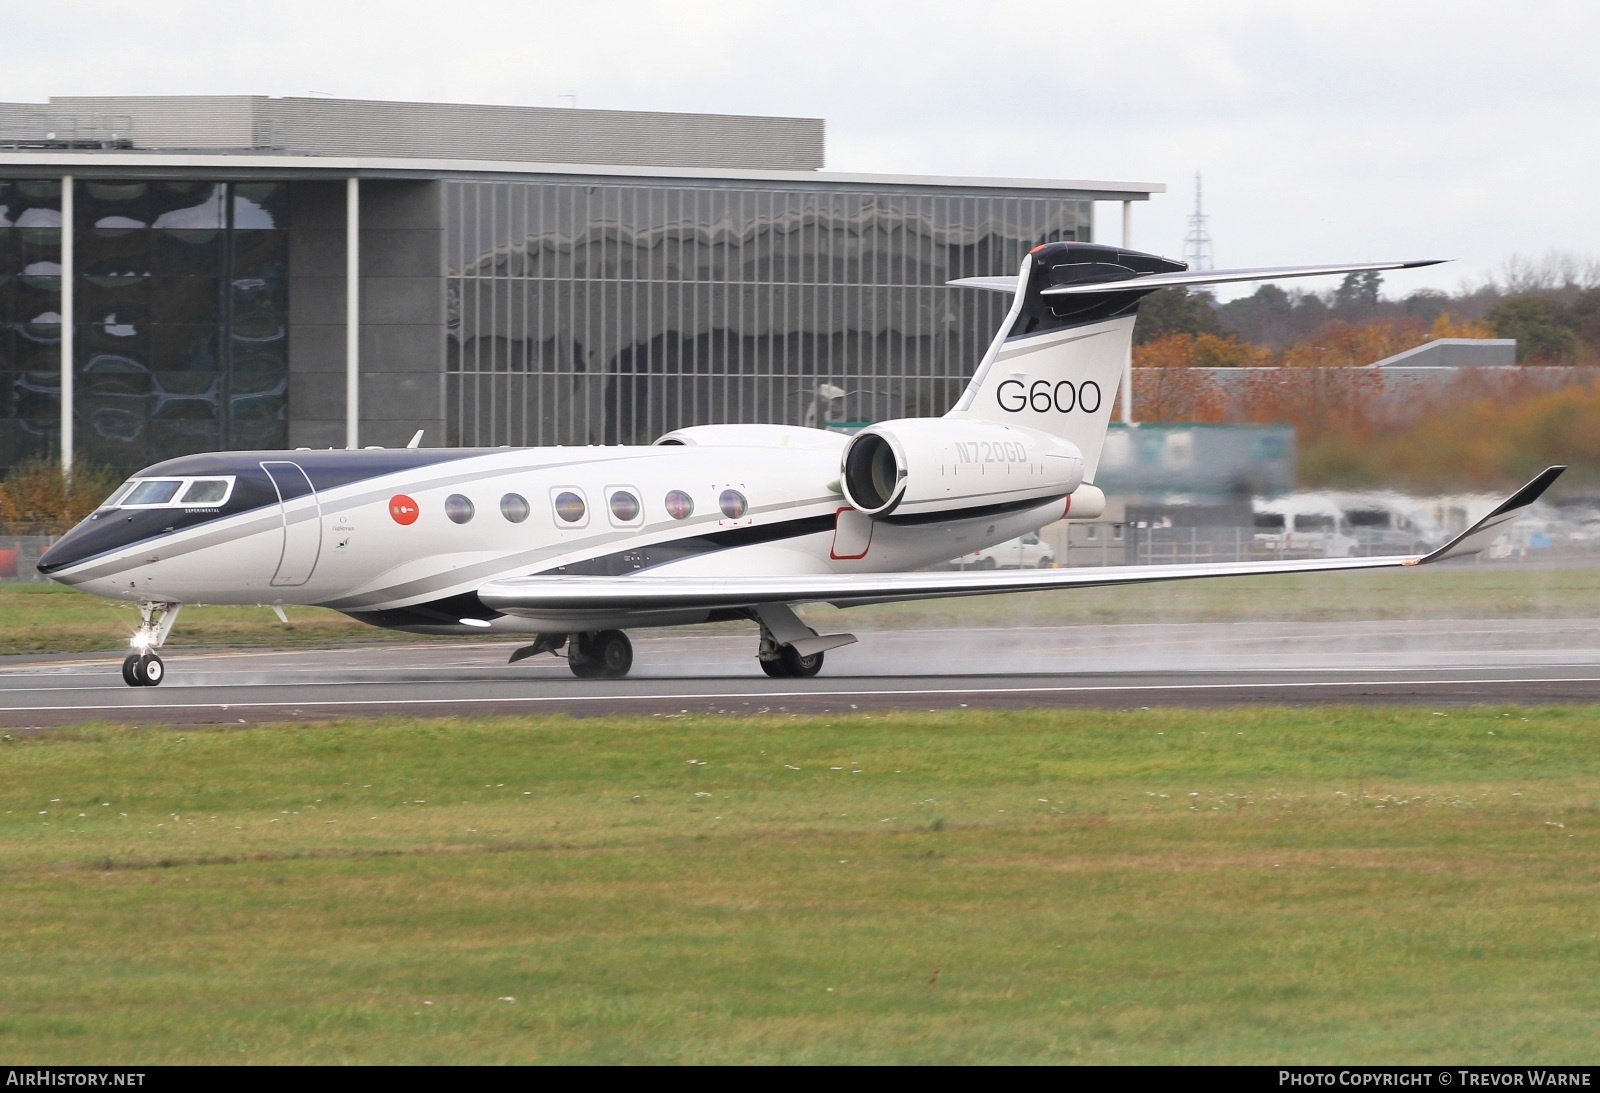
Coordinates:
569 546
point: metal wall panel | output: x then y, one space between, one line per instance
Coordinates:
587 314
521 134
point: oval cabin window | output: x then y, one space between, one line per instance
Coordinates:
680 506
458 508
569 507
514 507
624 506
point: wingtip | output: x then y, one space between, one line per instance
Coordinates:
1531 492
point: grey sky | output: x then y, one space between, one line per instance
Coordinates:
1325 131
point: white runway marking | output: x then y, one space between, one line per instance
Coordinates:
886 692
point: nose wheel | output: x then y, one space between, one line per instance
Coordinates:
143 670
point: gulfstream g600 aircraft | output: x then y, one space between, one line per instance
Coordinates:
572 545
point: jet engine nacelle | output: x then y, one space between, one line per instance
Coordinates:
925 465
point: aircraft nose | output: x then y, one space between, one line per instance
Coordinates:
61 554
92 538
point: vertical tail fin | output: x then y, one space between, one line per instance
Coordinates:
1056 362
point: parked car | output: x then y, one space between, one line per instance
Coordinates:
1026 552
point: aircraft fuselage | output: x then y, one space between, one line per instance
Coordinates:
403 538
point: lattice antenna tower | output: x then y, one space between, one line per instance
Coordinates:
1197 243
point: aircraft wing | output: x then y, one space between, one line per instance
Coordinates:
539 594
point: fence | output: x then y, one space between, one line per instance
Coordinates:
19 554
1203 545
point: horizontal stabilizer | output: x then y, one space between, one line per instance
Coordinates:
993 284
1215 276
538 595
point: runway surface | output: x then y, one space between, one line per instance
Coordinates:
1194 665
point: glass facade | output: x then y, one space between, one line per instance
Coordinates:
181 308
610 313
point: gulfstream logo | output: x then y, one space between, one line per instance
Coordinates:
1434 1078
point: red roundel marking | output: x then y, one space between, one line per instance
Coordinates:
403 509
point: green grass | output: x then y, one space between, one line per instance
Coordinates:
1259 886
50 618
39 618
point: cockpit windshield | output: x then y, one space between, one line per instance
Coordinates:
205 491
147 493
118 493
153 491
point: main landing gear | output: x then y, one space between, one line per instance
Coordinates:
604 654
143 668
598 654
789 648
789 664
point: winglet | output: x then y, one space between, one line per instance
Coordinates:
1487 530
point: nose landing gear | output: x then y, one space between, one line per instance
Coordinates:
143 668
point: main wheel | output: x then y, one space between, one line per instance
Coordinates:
607 654
614 652
797 666
130 671
151 670
774 668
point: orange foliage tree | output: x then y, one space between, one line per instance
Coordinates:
1356 426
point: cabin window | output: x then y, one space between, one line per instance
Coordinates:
733 504
459 508
153 491
625 508
680 506
1269 521
1315 521
206 491
569 506
514 507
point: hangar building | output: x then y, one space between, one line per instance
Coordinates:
195 273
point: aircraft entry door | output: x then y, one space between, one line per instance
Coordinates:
302 523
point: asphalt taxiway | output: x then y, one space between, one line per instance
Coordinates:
1450 662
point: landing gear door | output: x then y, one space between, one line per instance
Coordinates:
302 523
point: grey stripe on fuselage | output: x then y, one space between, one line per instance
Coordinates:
468 578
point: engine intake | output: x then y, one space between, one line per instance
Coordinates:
924 465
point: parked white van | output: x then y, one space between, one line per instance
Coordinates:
1307 524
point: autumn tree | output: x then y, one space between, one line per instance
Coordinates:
38 499
1544 334
1175 311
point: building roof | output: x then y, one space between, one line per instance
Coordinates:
259 137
